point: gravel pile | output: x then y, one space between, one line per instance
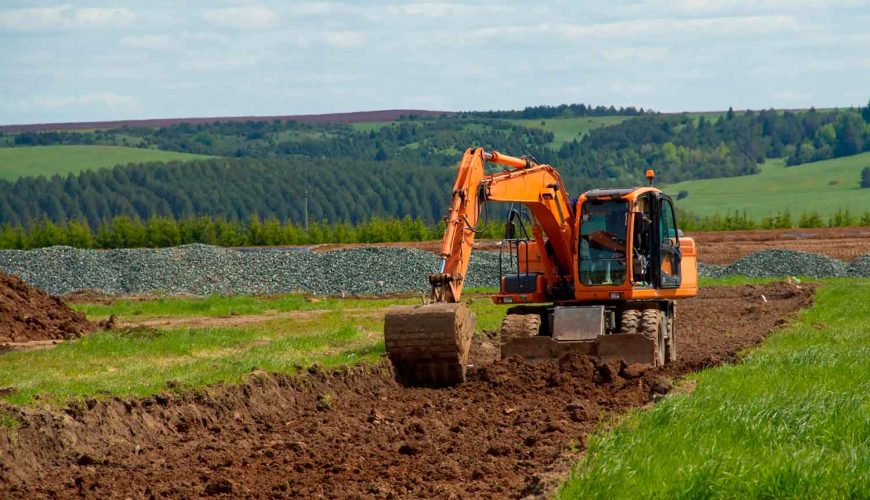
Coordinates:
773 263
860 267
207 270
778 263
711 270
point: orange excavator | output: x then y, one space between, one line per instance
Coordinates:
597 276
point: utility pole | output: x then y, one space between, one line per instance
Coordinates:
306 210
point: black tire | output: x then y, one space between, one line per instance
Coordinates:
653 324
520 325
629 321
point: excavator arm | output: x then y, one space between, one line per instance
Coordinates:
537 186
429 344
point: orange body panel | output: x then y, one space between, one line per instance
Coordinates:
530 259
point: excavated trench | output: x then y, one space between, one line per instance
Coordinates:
513 430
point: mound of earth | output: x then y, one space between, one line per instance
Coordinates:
28 314
513 430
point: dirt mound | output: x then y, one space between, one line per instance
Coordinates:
30 314
512 430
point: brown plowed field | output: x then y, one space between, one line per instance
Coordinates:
720 247
724 247
513 430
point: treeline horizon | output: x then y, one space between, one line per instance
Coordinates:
403 169
164 232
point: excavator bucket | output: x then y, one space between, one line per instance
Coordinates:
428 344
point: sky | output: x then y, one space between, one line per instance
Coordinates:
96 60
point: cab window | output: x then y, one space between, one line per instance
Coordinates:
602 242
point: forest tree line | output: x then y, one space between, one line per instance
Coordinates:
165 231
403 169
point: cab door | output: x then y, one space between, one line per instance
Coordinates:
668 244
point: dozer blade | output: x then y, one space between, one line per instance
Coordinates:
428 344
630 347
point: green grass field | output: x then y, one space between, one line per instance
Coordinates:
566 129
142 362
823 187
792 420
563 129
62 160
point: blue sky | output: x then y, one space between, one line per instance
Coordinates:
150 59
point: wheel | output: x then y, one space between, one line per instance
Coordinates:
671 345
629 321
520 325
654 326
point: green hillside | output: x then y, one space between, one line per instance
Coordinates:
822 186
563 129
62 160
566 129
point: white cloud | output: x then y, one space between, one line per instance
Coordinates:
733 26
314 8
93 17
248 17
702 7
642 54
64 17
147 41
344 39
442 9
725 26
109 100
792 96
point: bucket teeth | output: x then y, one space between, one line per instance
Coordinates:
428 345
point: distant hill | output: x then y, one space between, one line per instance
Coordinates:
62 160
822 187
385 115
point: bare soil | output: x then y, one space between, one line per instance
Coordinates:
512 430
725 247
29 314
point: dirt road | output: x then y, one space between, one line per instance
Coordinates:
513 430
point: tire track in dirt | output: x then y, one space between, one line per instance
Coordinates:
513 430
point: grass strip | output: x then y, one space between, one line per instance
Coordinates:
792 420
143 362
